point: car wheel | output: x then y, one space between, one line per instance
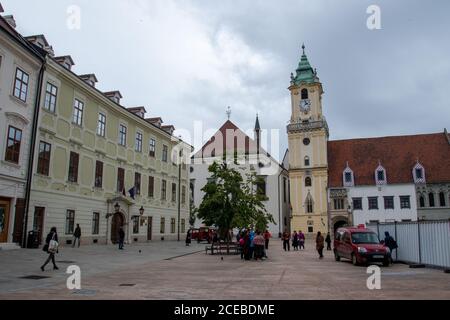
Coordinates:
354 260
336 256
386 263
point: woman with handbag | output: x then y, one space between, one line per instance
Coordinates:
51 247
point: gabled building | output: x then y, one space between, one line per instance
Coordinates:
231 145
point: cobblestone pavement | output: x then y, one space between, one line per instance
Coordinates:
170 270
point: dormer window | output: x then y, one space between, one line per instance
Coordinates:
380 175
304 94
347 177
419 173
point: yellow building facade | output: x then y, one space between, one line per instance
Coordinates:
307 137
104 166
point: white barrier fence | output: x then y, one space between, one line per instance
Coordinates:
424 242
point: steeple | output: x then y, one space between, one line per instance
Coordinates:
257 126
305 73
257 134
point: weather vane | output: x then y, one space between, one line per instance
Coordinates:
229 112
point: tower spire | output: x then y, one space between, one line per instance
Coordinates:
228 112
303 47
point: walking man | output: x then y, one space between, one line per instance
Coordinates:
391 244
286 238
328 241
320 244
121 238
76 236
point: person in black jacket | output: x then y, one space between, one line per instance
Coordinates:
53 235
328 241
121 238
76 236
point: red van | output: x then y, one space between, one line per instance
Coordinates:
360 245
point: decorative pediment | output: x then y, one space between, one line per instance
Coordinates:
17 119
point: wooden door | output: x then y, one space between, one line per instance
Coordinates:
116 223
149 228
38 222
4 220
18 221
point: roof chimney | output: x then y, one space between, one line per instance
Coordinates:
114 96
10 20
90 79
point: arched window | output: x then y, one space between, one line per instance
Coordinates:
431 199
308 182
306 161
441 199
422 202
304 94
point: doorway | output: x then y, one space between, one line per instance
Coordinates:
38 222
4 220
149 228
18 221
118 221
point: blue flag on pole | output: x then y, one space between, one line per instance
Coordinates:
132 192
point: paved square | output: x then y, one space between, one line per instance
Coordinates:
170 270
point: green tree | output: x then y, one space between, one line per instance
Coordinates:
232 202
192 214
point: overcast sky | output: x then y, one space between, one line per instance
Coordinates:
187 60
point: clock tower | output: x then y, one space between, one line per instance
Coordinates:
308 165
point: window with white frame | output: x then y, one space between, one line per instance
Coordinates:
101 125
21 85
138 145
380 175
152 148
122 135
418 173
165 153
78 109
347 177
51 93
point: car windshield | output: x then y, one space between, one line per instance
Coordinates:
365 237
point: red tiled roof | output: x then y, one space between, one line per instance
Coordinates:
398 155
230 138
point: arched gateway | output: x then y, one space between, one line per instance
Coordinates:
117 221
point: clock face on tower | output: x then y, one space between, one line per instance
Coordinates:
305 105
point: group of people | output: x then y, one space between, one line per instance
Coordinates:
253 244
298 241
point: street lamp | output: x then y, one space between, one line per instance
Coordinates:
141 211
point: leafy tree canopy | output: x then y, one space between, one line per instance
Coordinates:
232 202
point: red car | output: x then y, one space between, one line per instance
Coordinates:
202 234
360 245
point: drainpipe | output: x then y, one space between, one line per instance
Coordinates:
279 200
179 199
31 156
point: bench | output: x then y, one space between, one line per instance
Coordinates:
223 248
